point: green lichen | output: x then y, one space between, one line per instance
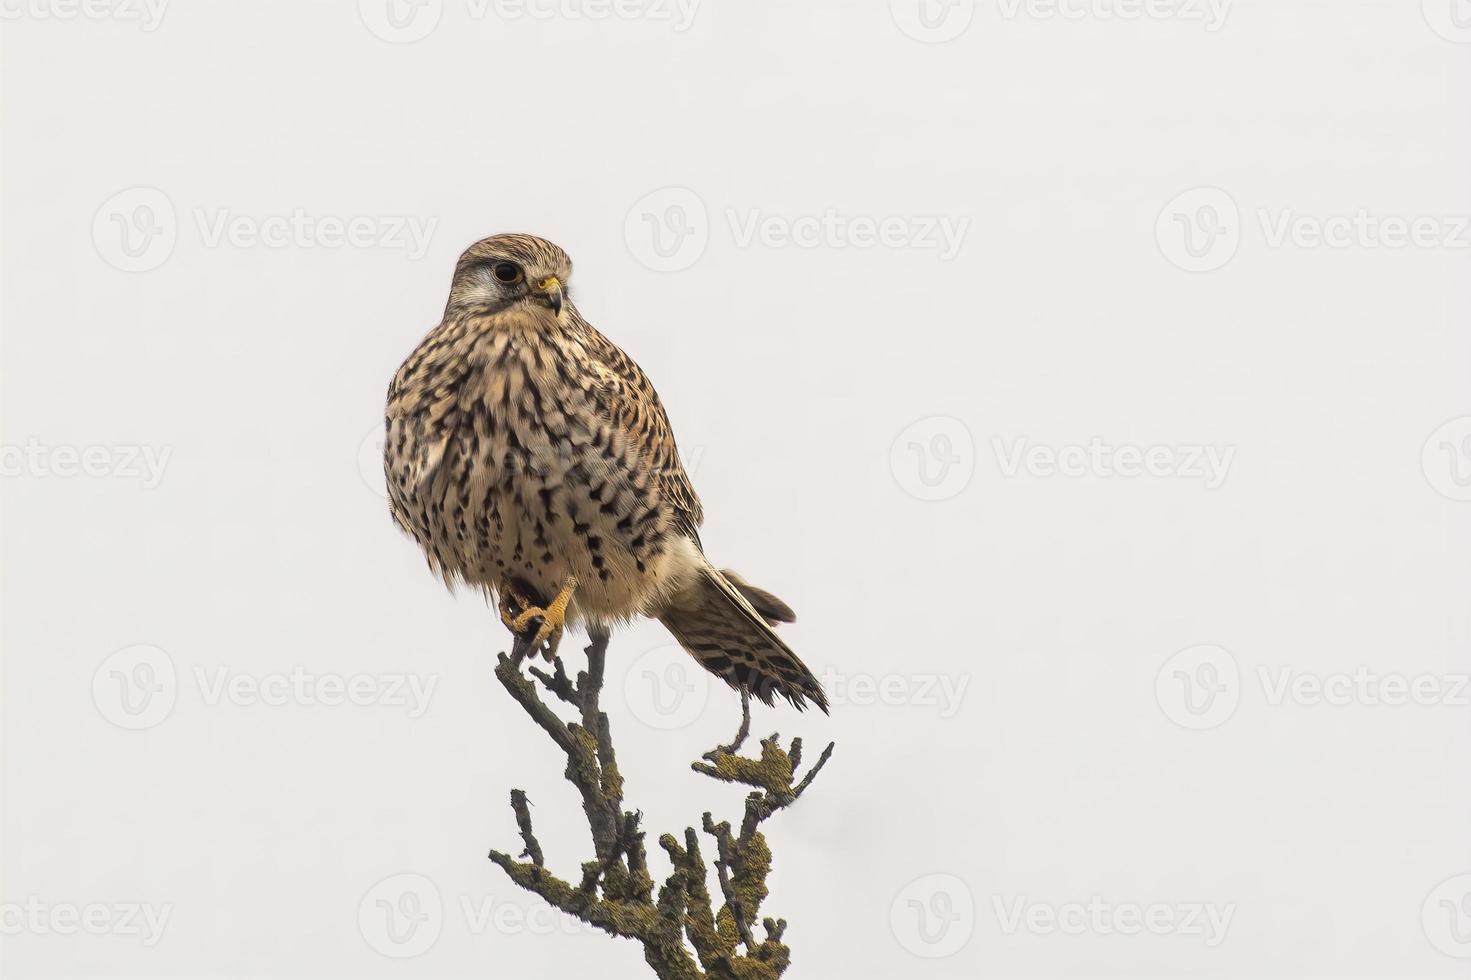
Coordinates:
612 782
617 893
752 866
772 772
633 920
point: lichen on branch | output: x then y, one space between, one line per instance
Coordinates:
687 931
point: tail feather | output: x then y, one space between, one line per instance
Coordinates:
724 623
772 609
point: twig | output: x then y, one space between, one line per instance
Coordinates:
725 849
801 787
521 806
590 682
557 682
525 694
615 891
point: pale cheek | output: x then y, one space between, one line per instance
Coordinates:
483 292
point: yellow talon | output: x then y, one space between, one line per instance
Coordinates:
510 603
553 617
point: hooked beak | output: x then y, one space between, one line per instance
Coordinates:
551 288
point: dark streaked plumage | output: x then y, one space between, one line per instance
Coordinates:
530 457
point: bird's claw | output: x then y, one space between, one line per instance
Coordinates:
551 618
548 632
510 604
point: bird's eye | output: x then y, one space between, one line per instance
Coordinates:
506 271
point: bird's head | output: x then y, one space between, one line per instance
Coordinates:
505 271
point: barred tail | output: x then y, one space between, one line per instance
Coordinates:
722 621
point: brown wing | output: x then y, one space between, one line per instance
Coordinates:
633 406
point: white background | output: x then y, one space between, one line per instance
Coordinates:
826 391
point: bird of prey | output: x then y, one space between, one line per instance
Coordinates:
531 458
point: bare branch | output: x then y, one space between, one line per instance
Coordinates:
522 808
725 849
615 891
557 681
590 682
801 787
509 674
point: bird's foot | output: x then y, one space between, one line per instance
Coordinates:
740 739
510 603
552 617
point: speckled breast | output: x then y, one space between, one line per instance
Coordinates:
508 471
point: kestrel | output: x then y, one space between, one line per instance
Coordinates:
531 458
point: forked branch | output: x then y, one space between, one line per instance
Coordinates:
686 933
